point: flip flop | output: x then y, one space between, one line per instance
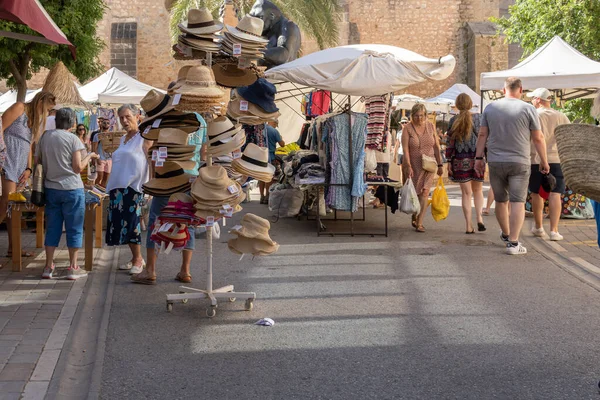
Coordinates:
470 233
414 221
481 227
23 254
183 278
420 229
147 280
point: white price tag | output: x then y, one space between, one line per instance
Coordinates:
176 99
154 155
156 123
147 129
233 189
162 152
244 63
237 154
159 163
210 221
228 214
237 50
243 105
236 228
192 179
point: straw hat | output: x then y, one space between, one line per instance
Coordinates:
228 37
220 128
228 145
200 43
200 22
249 29
168 183
213 185
170 166
184 121
156 104
200 82
255 163
176 150
172 136
229 75
233 109
60 83
243 245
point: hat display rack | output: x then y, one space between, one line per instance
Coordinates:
226 61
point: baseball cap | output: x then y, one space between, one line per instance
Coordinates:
541 93
404 119
548 185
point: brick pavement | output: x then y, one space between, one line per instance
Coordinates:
35 317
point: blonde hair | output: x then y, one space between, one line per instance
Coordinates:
37 117
418 107
462 129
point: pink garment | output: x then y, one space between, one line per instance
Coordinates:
321 101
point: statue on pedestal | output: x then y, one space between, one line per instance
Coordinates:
284 35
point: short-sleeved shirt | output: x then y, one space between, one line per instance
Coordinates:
549 120
510 122
57 147
273 137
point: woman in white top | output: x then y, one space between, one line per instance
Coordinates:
130 172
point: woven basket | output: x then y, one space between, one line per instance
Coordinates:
111 141
579 151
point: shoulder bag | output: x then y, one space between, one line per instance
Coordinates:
38 197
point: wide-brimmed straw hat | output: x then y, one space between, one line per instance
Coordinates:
168 183
255 163
221 128
248 29
170 166
261 93
241 245
172 136
200 21
200 82
227 145
184 120
213 186
231 76
200 43
156 104
253 237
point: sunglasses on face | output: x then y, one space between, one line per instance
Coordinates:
81 129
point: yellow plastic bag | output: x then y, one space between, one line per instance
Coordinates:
440 204
16 197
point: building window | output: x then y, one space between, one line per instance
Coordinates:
123 47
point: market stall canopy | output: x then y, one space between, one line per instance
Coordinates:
115 87
408 101
9 98
32 14
362 70
555 66
450 95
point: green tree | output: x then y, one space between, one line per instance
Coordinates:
316 18
534 22
78 19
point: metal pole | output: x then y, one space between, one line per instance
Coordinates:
350 158
209 247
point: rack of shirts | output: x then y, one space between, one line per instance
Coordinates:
378 111
316 103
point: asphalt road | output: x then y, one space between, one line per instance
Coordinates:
440 315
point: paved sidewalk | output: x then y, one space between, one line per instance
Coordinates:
35 317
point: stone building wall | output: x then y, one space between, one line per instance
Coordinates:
430 27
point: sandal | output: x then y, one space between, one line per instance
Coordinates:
143 279
23 254
414 221
420 228
183 278
470 233
481 227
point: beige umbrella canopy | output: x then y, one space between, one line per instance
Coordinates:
60 83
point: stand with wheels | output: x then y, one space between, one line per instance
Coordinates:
225 292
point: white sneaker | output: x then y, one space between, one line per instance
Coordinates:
48 271
555 236
126 267
538 232
515 250
137 269
75 273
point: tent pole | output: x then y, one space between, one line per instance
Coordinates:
351 169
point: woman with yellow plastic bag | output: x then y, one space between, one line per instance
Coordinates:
460 153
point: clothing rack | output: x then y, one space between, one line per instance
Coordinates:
226 292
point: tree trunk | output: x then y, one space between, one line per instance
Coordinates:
21 91
19 71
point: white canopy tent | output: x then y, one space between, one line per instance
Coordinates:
356 70
453 92
9 98
408 101
556 66
115 87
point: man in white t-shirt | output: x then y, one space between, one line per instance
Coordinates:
398 145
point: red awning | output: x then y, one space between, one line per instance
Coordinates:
32 14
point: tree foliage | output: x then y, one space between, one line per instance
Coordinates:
532 23
316 18
78 19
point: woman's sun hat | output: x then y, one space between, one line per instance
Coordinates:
155 104
200 22
172 136
248 29
261 93
252 237
213 186
168 183
200 82
231 76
